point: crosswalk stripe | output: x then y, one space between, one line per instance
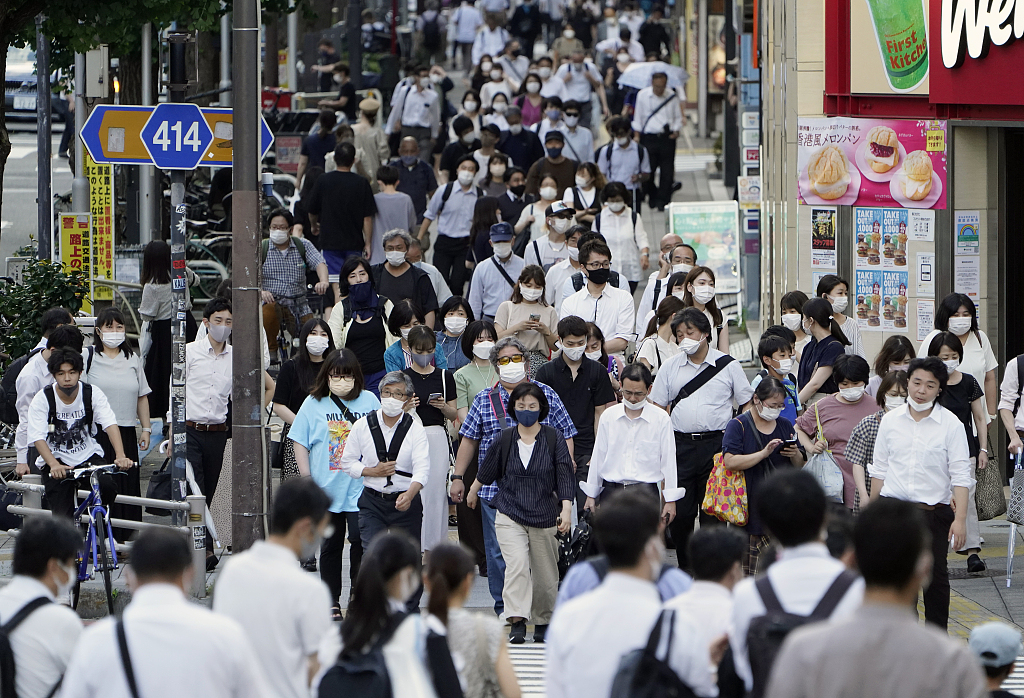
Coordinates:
530 665
1015 682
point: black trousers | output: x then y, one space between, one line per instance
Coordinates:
60 494
471 525
611 488
450 260
694 461
205 451
331 551
662 150
378 514
936 596
127 482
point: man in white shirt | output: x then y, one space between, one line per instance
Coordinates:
625 41
921 455
175 647
590 634
700 406
285 612
582 79
656 288
609 308
658 121
551 249
491 40
792 507
452 207
464 22
44 571
417 114
624 160
495 277
550 86
566 277
515 66
415 257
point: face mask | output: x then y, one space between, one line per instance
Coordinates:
839 304
341 386
959 325
486 66
499 107
554 152
396 258
278 237
704 294
549 193
517 190
599 276
553 114
681 268
582 182
852 394
495 75
899 367
497 172
571 120
569 34
574 254
466 177
515 129
918 407
690 346
533 87
951 365
792 321
679 293
72 573
309 547
634 406
894 401
467 139
623 58
512 372
113 339
409 160
337 79
408 587
560 225
317 345
622 141
594 355
455 324
436 79
527 418
68 391
617 206
405 333
785 366
422 360
769 414
573 353
220 333
530 294
502 250
544 73
392 406
482 350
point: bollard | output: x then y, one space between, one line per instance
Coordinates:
197 536
32 498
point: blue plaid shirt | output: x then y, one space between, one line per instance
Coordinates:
482 424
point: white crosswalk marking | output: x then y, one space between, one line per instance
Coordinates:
20 151
529 663
690 163
1015 683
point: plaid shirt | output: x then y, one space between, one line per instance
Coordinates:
482 424
284 273
860 449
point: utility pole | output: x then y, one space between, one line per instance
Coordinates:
43 141
225 60
354 37
247 506
293 47
147 197
80 185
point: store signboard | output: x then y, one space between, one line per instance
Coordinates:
712 229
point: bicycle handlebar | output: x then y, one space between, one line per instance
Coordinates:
76 473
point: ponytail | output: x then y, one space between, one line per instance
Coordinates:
448 565
437 604
820 310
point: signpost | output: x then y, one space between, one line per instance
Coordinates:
176 136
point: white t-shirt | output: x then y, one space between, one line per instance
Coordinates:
72 442
657 351
978 356
550 253
526 452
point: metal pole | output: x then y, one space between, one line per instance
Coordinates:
44 222
225 60
31 498
354 36
147 198
197 535
293 46
702 68
247 428
80 185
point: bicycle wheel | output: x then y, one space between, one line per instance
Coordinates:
105 561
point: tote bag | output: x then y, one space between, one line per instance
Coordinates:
825 469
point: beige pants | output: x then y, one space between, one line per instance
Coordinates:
531 569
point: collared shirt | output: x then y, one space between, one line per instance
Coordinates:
418 182
441 289
579 142
706 607
464 23
612 46
800 578
413 456
577 86
619 164
284 271
457 215
421 109
634 450
581 396
648 118
906 659
582 577
612 311
1009 389
710 407
177 648
207 382
590 634
625 238
285 612
33 377
489 42
489 288
515 69
44 641
650 300
555 279
567 288
921 461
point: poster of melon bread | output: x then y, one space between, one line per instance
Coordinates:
872 162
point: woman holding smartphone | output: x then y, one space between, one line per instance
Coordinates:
529 317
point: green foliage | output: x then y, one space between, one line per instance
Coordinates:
46 285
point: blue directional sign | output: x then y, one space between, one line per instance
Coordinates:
111 134
220 121
177 136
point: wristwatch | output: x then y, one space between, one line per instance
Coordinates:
456 477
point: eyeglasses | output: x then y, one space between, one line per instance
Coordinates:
393 395
594 266
636 394
505 360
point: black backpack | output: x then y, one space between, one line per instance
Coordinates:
7 664
578 280
432 33
363 675
646 673
767 633
9 386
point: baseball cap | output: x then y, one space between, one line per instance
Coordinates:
995 644
501 232
554 135
559 207
493 128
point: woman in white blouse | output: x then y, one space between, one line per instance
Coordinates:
837 292
498 84
584 195
533 216
659 343
700 294
624 233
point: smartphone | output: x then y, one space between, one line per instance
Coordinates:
535 318
789 443
435 396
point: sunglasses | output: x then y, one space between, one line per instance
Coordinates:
506 360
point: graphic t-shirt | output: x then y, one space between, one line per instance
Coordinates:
72 441
322 427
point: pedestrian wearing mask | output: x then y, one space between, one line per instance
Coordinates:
471 110
370 139
625 161
489 136
361 323
415 177
560 274
532 223
658 344
700 294
837 292
775 351
493 181
792 307
499 108
860 449
610 308
830 421
528 317
398 356
579 140
596 351
530 101
584 195
564 45
658 119
623 229
493 280
452 208
551 249
895 355
465 141
397 279
675 258
582 79
490 41
617 95
520 144
456 316
550 86
498 85
417 111
814 377
486 213
515 65
534 472
552 117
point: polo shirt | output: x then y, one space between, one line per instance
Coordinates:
581 396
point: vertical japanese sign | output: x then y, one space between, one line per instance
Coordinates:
823 237
75 247
101 206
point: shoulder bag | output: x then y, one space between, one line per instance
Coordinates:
824 468
725 497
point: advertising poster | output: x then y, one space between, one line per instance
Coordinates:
869 299
75 246
894 301
101 205
880 236
889 47
713 231
823 237
967 225
872 162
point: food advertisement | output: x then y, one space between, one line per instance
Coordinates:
713 231
881 300
872 162
880 236
823 237
889 47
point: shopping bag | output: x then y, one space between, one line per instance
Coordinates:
988 493
726 495
825 469
1015 509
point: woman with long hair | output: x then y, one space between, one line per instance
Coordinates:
398 357
532 221
318 433
529 318
700 294
455 317
814 376
623 231
836 291
659 343
792 307
493 180
499 107
890 393
895 355
485 214
362 323
585 195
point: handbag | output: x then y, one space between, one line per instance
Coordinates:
988 493
726 495
160 488
1015 509
825 469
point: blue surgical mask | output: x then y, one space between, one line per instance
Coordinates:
527 418
553 114
554 152
409 160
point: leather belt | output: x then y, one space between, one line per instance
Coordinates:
199 426
699 435
387 497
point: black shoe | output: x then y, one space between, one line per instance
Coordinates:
63 156
453 520
975 564
517 635
676 186
211 562
309 565
539 631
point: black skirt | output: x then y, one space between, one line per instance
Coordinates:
128 482
158 363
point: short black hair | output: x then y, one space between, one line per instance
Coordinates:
614 189
637 372
461 124
572 326
296 499
422 338
619 124
839 525
623 525
851 367
571 104
216 305
45 538
511 171
946 339
54 318
454 303
890 535
468 158
280 213
780 331
387 174
691 317
160 554
769 344
344 154
65 355
791 505
933 365
713 551
350 265
473 330
66 337
528 389
402 314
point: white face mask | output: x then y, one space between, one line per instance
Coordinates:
839 303
482 350
392 407
690 346
574 254
515 129
704 294
792 321
486 66
573 353
533 87
341 386
548 193
569 34
497 172
582 182
920 407
617 206
560 225
594 355
436 79
113 339
502 250
623 58
316 345
278 237
679 293
571 121
769 414
894 401
544 72
959 325
622 141
512 372
396 258
785 366
405 333
951 365
495 75
499 107
466 177
455 324
852 394
634 406
681 268
64 588
530 294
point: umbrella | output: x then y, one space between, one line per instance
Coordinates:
638 75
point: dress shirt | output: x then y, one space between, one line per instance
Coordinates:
413 457
457 216
582 577
577 86
284 271
921 461
567 287
285 612
489 42
881 651
707 607
177 648
441 289
44 641
612 311
489 288
421 108
516 69
708 409
800 577
634 450
33 377
554 87
625 239
619 164
612 46
555 279
464 23
645 120
207 382
590 635
1009 389
579 142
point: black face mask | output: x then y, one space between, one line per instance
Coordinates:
68 391
518 190
599 276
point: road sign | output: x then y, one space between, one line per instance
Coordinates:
220 122
176 136
111 134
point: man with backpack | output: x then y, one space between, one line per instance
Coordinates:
430 29
806 584
495 277
624 160
452 207
397 280
37 635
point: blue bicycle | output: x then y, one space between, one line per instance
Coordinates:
100 546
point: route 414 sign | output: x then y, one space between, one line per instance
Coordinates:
176 136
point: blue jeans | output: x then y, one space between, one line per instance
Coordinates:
495 563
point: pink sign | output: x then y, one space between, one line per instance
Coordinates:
872 162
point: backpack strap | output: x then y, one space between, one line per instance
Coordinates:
51 402
87 403
345 412
577 281
834 595
768 597
504 447
657 290
499 409
658 109
536 251
23 613
384 453
88 362
8 687
601 566
126 659
701 379
577 199
444 198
